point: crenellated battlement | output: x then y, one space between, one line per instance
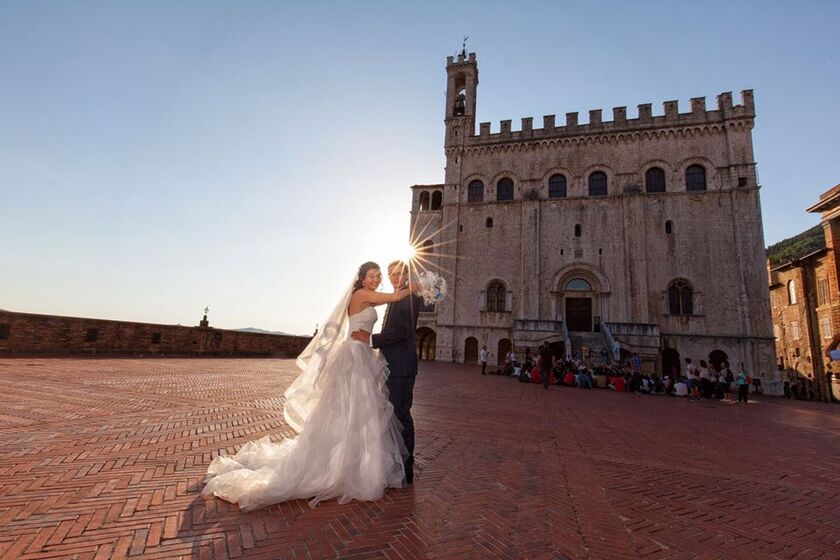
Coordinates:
460 59
671 117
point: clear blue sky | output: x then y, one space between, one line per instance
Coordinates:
157 157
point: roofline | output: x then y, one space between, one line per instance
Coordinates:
793 262
828 202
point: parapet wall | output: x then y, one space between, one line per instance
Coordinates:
620 123
32 334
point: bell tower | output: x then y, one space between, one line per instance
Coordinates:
461 84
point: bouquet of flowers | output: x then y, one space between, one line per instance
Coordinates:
432 287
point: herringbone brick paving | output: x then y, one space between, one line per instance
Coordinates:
104 458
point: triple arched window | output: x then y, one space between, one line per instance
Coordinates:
496 296
680 298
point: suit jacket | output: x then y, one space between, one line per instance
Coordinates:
396 341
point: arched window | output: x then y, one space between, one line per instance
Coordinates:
654 180
437 200
424 200
598 184
791 292
504 189
475 192
557 186
695 178
680 298
669 226
577 230
496 296
488 222
461 103
578 285
428 247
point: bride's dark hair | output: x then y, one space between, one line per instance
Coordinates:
363 270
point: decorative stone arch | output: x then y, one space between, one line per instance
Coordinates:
470 350
508 295
671 180
503 346
425 201
598 294
557 170
517 184
437 199
598 279
717 357
466 186
426 343
712 176
606 170
671 359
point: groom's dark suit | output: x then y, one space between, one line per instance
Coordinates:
397 343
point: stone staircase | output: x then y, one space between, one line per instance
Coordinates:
595 341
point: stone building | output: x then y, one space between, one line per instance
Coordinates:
805 300
640 233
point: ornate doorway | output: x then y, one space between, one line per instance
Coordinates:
579 314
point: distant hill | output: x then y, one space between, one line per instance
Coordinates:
261 331
797 246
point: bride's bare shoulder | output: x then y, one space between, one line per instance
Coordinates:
358 301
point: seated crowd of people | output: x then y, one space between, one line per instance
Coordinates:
706 381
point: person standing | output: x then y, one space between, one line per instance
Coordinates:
705 381
743 387
725 379
482 357
691 380
545 363
397 344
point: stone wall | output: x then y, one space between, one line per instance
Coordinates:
27 333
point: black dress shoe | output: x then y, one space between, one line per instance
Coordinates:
409 471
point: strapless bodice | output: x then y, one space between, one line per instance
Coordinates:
363 320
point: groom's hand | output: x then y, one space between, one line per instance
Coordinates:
361 336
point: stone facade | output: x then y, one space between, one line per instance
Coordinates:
643 233
805 301
32 334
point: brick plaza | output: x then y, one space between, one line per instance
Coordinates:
104 458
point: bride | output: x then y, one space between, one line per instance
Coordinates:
348 444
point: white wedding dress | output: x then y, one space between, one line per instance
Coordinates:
348 444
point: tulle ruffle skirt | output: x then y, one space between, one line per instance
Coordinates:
350 447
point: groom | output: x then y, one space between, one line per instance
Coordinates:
396 341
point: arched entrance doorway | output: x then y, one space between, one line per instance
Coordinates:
426 343
470 350
716 359
578 304
503 349
670 361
